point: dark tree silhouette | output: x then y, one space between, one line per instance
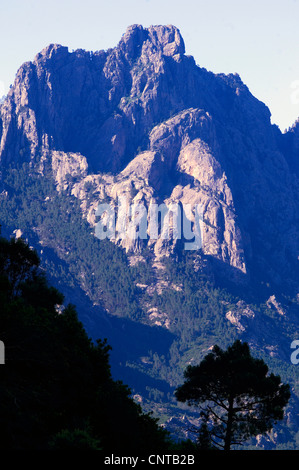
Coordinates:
56 387
238 396
17 261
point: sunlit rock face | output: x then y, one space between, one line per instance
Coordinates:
143 121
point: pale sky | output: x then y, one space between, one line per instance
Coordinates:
258 39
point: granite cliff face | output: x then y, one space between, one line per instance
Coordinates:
166 130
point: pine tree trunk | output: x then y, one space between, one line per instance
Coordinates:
228 435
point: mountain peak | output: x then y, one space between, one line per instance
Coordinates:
51 50
166 38
202 137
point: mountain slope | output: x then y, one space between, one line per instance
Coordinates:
143 122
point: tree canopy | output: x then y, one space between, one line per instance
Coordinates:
56 388
237 395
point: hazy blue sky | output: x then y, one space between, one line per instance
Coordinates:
259 39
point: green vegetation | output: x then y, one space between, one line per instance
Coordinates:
56 389
194 305
237 396
195 309
203 304
99 267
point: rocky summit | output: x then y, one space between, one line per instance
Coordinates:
149 115
144 121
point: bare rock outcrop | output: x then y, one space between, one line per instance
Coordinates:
143 120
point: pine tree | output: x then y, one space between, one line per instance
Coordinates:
237 395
